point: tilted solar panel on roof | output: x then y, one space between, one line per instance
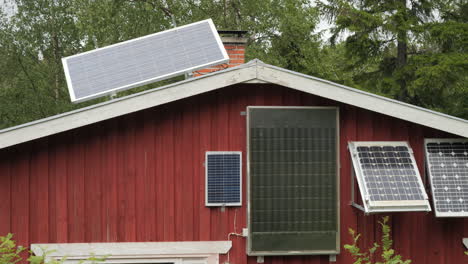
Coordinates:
447 165
388 177
143 60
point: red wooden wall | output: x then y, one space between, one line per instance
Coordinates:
140 177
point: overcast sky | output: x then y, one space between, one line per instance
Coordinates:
6 5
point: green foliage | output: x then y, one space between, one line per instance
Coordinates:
414 51
411 51
383 251
35 38
10 253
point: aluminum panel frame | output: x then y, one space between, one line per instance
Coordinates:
76 98
386 206
206 178
440 140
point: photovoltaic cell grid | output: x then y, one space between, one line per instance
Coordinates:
447 163
223 178
387 172
143 60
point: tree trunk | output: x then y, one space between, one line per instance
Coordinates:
402 55
57 58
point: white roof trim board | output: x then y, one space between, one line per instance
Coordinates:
253 71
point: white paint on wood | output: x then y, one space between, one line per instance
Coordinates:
134 248
197 252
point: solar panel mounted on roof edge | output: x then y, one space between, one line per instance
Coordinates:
143 60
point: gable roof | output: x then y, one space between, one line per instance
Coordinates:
253 71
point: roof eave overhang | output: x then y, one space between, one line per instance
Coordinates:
122 106
252 72
363 99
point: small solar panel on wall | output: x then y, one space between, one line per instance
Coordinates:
223 178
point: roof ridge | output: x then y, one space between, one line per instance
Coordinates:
247 72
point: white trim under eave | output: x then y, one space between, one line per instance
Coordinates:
134 252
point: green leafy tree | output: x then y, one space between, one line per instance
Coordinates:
394 49
385 249
35 38
9 252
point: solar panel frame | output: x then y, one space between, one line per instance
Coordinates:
212 204
431 178
75 99
386 205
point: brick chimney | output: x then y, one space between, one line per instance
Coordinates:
234 42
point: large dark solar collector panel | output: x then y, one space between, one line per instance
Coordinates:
143 60
223 178
388 177
293 180
447 165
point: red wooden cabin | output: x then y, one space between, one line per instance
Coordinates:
132 170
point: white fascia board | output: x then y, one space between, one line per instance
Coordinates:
362 99
125 105
131 250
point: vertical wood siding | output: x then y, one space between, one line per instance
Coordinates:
140 177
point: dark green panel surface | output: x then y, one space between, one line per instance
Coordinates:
293 180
